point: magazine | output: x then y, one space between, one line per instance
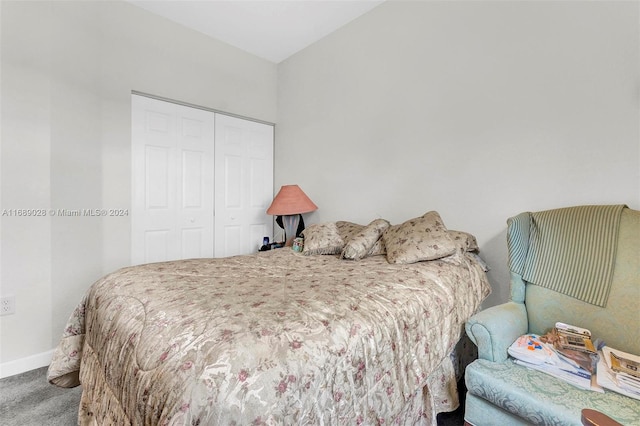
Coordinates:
531 351
583 356
614 372
620 364
582 381
530 348
574 338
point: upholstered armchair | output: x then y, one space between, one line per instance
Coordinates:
585 263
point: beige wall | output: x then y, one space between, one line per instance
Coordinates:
479 110
68 69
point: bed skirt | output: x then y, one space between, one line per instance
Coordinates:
99 405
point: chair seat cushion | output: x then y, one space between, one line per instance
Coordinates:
542 399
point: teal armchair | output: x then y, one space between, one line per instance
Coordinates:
585 262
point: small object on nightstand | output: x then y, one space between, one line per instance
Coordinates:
298 244
265 244
271 246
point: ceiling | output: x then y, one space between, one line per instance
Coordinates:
273 30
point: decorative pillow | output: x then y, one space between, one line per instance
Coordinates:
360 244
322 239
464 240
421 238
378 248
348 230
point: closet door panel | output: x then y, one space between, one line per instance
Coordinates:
172 181
195 139
244 185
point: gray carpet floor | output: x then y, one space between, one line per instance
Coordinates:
27 399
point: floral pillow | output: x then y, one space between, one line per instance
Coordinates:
348 230
421 238
322 239
378 248
464 240
361 243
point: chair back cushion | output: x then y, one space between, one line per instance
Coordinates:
618 323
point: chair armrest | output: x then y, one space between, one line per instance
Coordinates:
495 329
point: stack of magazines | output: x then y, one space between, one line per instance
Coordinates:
619 372
566 352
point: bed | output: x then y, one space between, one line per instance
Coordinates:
278 337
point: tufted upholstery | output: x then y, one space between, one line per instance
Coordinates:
501 392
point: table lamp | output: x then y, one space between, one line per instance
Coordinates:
290 202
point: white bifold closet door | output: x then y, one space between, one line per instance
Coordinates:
244 184
175 179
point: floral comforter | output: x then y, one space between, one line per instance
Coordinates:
271 338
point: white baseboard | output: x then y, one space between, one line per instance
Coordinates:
23 365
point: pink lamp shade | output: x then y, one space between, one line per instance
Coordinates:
291 200
289 203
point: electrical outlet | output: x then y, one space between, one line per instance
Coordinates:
7 305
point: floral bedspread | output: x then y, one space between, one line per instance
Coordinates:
271 338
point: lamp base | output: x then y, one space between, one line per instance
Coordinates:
290 222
